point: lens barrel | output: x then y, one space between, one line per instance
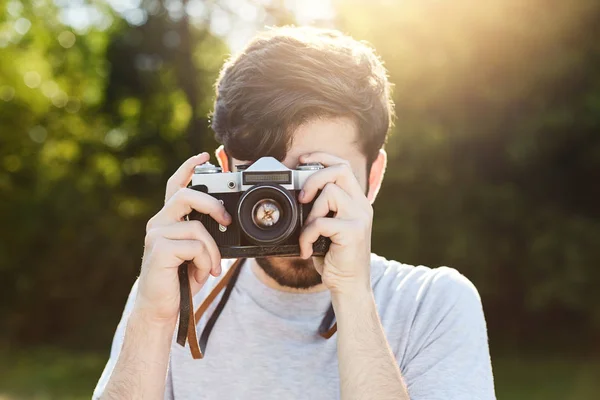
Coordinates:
267 214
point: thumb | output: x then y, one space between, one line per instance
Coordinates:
319 263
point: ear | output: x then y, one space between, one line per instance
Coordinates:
376 175
222 158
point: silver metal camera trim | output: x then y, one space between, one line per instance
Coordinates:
218 182
207 168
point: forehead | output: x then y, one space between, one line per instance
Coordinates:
337 136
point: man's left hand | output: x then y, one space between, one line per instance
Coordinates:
346 266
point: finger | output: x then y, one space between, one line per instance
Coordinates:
184 202
340 174
328 227
332 198
183 175
189 230
175 252
199 276
326 159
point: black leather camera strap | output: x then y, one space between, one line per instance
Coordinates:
188 319
326 329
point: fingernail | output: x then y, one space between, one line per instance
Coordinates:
301 195
202 154
227 216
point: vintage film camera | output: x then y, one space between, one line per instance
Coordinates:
262 200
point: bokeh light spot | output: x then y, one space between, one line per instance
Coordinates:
7 93
22 26
136 16
130 107
32 79
115 138
196 9
66 39
12 163
60 99
38 134
49 88
14 8
73 105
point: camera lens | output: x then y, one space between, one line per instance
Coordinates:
267 214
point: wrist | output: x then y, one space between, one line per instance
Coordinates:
342 284
150 320
352 298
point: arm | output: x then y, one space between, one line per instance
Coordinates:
141 368
368 368
447 356
139 359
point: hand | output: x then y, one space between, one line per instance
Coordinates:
346 266
171 240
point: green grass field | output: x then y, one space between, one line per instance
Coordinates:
52 374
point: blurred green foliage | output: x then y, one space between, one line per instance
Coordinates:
494 159
46 373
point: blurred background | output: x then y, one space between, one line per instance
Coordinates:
494 166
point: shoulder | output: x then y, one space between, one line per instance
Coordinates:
424 290
424 281
436 328
420 306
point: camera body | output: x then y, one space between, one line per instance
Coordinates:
262 200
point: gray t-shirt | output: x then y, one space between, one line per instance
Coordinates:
265 343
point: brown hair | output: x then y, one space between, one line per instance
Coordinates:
287 76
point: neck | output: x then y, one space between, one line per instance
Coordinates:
272 283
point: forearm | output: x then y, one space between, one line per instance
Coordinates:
368 368
141 369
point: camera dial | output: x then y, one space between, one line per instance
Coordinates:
311 166
207 168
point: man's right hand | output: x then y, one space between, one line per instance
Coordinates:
171 240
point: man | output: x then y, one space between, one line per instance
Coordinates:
300 95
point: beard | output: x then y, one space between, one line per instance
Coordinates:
292 272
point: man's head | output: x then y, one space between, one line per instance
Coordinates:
294 91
